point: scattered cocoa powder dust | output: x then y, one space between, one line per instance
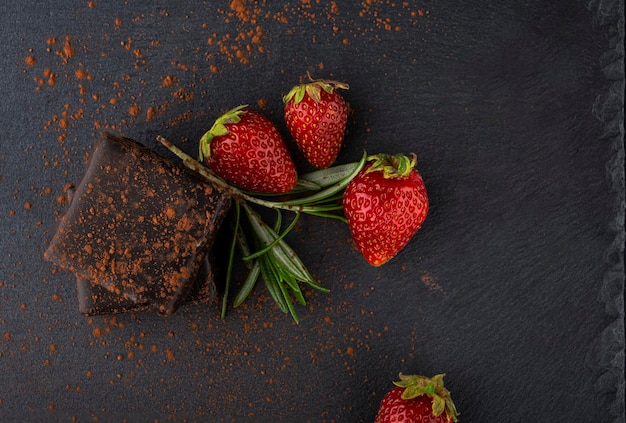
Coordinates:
60 65
134 110
431 282
150 113
67 52
81 74
241 44
168 81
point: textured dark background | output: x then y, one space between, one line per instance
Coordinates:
513 288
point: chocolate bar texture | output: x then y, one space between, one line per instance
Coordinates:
137 231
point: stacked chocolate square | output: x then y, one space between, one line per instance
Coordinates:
138 231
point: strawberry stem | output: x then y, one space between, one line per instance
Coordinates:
392 166
335 84
313 89
218 129
415 386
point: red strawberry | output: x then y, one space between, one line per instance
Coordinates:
316 116
417 399
245 148
385 204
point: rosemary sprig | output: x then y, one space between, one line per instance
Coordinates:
318 193
231 257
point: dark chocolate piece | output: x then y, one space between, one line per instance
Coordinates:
138 227
94 299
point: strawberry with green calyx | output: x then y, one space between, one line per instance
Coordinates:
385 205
316 116
417 399
265 249
245 148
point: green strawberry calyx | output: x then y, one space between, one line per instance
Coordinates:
219 129
415 386
313 89
392 165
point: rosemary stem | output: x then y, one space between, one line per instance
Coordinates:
231 256
197 167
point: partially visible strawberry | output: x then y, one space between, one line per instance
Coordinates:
245 148
316 116
417 399
385 205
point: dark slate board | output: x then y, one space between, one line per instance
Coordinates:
513 288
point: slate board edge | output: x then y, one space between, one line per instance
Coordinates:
609 109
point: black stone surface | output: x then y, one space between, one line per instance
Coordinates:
138 227
513 287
